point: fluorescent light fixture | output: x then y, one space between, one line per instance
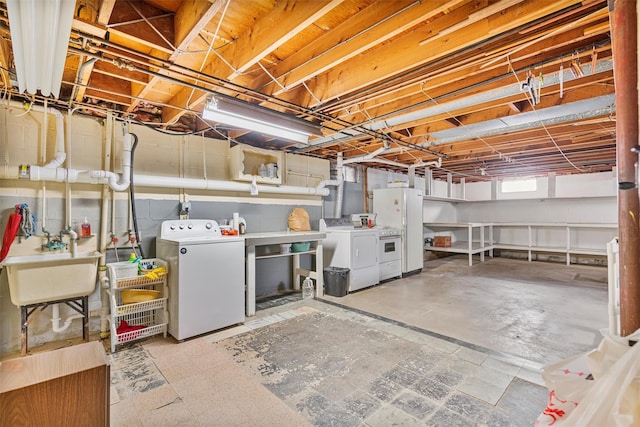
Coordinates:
40 31
245 115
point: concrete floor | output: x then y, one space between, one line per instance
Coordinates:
539 311
454 345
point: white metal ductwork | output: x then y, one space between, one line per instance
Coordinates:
366 158
431 108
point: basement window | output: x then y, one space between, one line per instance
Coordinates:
518 185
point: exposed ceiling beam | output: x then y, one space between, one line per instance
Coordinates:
275 28
189 20
403 55
354 36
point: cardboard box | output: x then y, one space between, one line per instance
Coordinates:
442 241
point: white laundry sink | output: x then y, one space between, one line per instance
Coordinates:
50 277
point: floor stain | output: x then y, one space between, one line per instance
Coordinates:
314 363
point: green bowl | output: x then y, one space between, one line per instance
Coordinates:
300 247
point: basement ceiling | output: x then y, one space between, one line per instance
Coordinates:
494 88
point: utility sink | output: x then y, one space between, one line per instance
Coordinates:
49 277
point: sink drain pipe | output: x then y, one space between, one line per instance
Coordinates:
55 319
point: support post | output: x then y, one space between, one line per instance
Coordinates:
623 19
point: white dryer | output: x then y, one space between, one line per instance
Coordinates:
354 248
206 276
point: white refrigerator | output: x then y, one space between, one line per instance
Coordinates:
402 208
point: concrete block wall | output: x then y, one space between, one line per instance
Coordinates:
21 142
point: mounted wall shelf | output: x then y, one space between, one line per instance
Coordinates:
265 165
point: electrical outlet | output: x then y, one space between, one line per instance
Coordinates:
185 207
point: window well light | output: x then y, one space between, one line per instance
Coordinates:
244 115
39 36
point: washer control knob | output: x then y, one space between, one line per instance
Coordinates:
181 226
208 226
190 226
172 226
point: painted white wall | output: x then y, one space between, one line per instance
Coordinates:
583 210
603 184
579 199
480 190
439 211
592 210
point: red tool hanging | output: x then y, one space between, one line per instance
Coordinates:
11 231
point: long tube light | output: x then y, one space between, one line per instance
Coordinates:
40 33
245 115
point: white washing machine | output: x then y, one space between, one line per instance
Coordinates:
206 276
350 247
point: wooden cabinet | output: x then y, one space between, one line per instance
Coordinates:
65 387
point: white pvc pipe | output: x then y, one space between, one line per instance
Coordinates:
53 172
613 265
118 182
60 153
42 173
73 236
68 201
55 319
43 220
73 175
209 184
102 273
340 187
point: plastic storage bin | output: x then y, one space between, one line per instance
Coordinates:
336 281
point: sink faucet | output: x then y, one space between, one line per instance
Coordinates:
73 236
53 243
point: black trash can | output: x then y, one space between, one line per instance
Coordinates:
336 281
